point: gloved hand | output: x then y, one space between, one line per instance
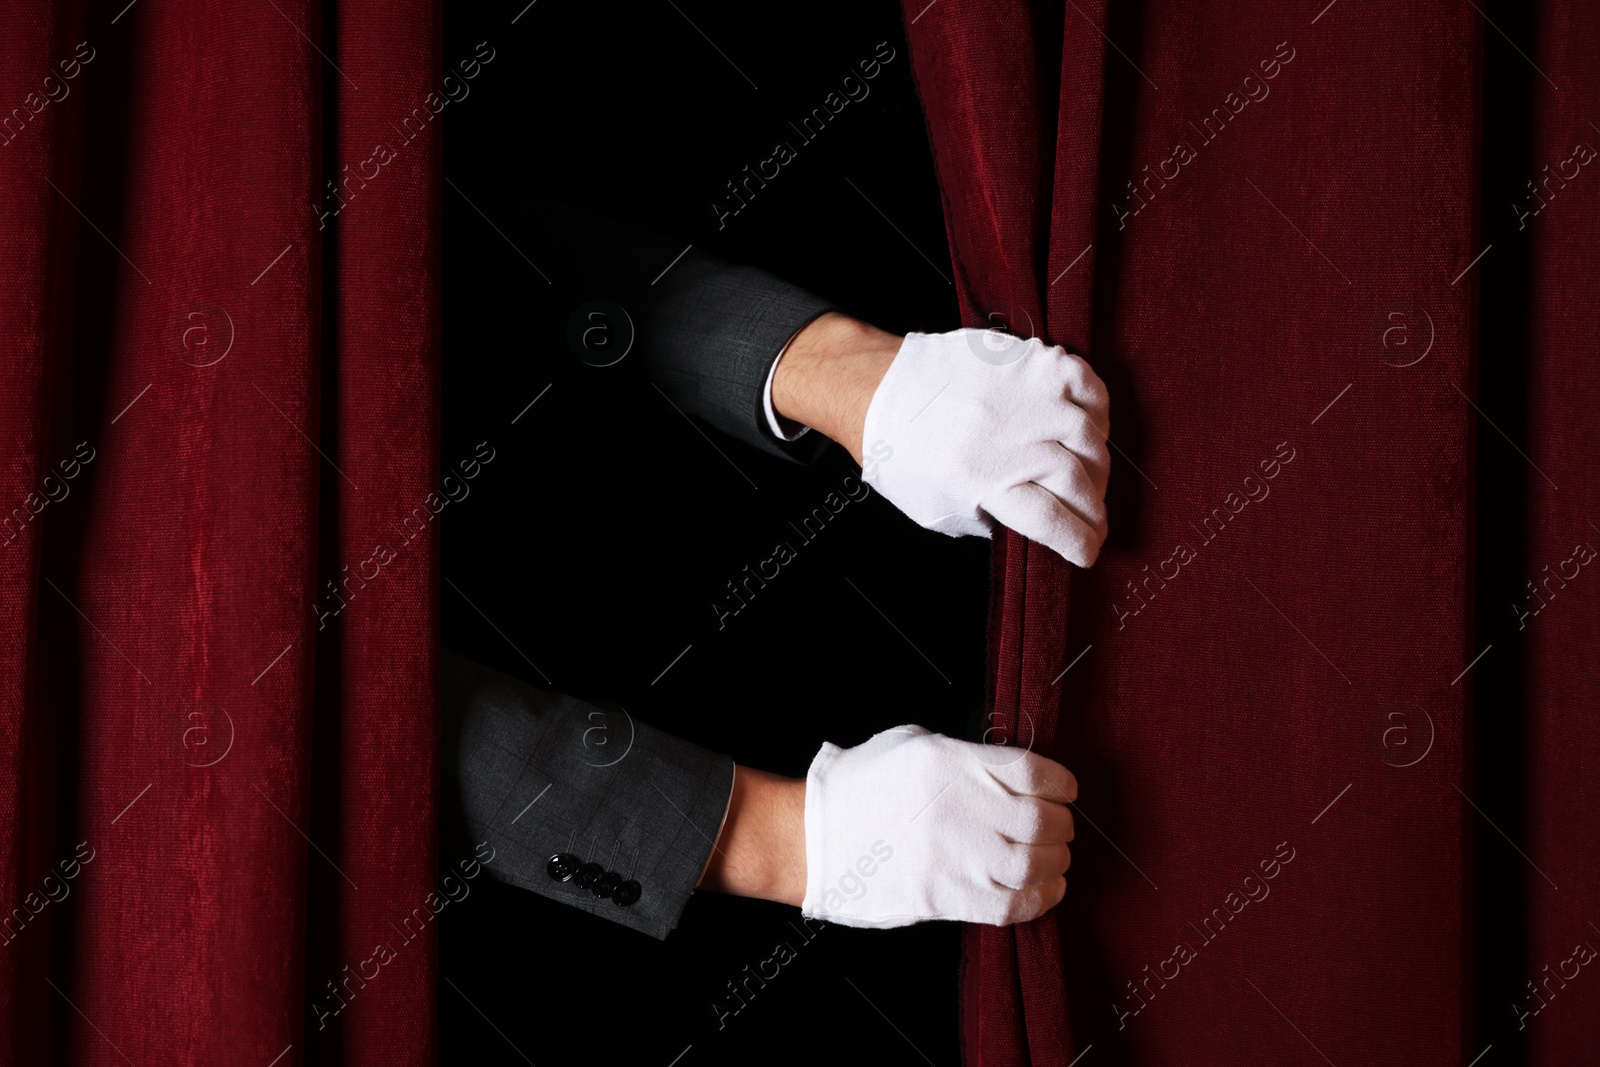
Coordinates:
913 825
973 427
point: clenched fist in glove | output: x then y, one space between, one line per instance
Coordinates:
905 827
912 825
961 430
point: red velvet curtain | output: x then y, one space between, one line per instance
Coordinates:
1260 224
1562 659
218 395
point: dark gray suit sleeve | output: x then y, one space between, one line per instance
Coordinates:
713 337
535 774
709 331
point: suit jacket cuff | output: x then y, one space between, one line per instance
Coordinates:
714 339
534 773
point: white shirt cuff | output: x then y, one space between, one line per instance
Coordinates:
776 424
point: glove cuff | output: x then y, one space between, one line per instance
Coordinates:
816 832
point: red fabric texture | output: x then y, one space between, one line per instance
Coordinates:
1285 315
1561 665
224 401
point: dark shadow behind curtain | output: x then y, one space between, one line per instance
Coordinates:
211 411
1261 227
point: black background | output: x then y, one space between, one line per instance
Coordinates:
592 546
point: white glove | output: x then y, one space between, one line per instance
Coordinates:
913 825
976 426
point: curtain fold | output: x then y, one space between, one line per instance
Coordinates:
1559 616
1021 215
1258 224
220 406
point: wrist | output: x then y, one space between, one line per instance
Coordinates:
829 373
761 849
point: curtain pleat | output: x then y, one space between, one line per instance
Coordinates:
224 767
1559 615
34 251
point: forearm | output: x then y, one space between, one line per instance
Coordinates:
761 851
828 374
